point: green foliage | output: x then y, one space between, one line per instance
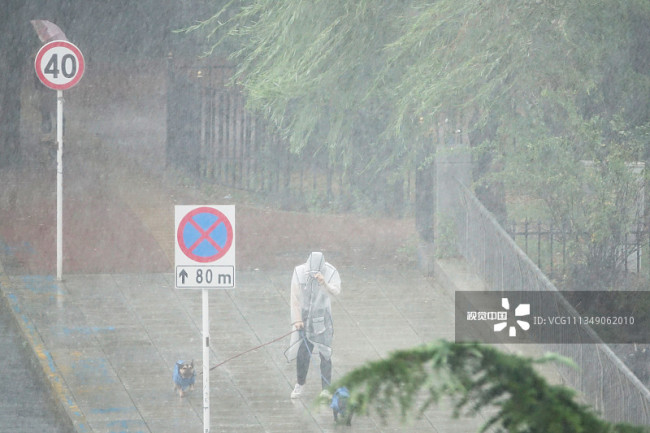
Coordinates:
593 190
446 237
309 67
573 139
356 74
542 86
474 377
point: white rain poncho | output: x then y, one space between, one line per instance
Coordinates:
310 303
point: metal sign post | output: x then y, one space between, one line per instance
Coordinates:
205 259
59 185
59 65
206 361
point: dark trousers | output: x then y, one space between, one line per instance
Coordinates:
304 356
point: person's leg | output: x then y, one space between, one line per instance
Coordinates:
326 371
302 362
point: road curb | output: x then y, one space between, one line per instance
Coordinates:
43 364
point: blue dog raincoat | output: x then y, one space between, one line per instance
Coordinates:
340 404
183 382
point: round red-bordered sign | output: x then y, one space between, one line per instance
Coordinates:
204 234
59 65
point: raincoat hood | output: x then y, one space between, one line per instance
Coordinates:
316 262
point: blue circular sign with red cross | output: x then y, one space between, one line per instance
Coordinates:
204 234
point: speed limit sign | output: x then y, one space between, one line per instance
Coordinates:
59 65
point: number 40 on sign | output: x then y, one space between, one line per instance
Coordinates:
59 65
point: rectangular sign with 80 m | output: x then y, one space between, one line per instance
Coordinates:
205 277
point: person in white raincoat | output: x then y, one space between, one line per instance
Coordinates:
312 285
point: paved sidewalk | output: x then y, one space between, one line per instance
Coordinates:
108 344
26 405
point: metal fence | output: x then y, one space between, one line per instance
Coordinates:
603 380
213 137
548 246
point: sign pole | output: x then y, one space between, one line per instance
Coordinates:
206 362
59 65
59 185
205 259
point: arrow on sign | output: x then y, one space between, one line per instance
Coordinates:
183 275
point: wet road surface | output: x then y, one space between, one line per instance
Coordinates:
25 402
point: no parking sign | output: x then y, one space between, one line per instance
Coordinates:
205 259
205 247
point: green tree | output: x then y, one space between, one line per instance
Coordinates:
474 377
577 144
320 72
594 194
538 86
379 84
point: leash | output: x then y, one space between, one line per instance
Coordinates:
303 336
250 350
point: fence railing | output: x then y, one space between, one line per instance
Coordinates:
602 378
548 246
212 136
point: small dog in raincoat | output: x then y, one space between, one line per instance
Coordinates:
184 377
340 407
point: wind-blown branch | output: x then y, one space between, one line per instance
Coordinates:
474 377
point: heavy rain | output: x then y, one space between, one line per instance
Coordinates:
258 216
